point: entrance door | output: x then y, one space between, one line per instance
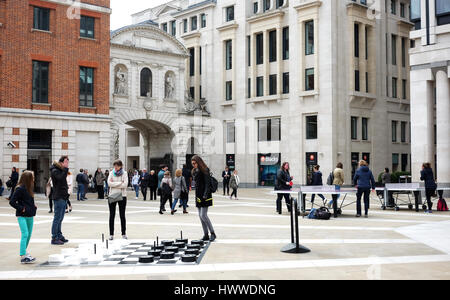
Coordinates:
39 156
311 162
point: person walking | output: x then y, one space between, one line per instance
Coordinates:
153 184
226 175
187 174
203 195
14 178
363 181
2 188
338 181
283 183
49 194
23 201
144 181
59 171
234 184
135 182
86 182
426 174
118 183
69 191
80 185
106 187
160 178
316 180
179 190
166 192
99 182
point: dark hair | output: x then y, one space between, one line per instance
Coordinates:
118 163
317 167
282 165
427 165
81 170
386 170
14 168
63 158
200 164
184 166
27 181
340 166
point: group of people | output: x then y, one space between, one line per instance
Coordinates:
230 179
22 199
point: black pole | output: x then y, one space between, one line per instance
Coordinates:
292 220
297 235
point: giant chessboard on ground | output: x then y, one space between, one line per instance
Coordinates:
123 252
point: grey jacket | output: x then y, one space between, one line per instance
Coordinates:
180 185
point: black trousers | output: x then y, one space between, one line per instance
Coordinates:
287 200
234 193
100 192
226 186
153 193
359 194
112 216
428 194
164 201
144 192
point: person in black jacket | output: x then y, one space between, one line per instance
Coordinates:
59 171
153 184
23 201
317 181
226 175
430 185
144 182
283 183
203 195
14 179
1 188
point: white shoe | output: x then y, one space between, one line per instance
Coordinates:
111 237
124 237
135 198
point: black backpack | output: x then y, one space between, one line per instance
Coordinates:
166 190
213 183
330 179
322 213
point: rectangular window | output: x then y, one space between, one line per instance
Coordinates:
229 90
415 13
394 49
200 60
203 20
194 23
356 33
40 81
192 62
367 82
173 25
272 84
255 7
402 10
231 132
365 129
309 35
403 131
394 7
357 81
395 161
394 87
311 127
404 52
272 46
230 13
285 43
286 83
86 86
394 131
164 27
249 88
192 92
269 130
354 128
249 54
228 55
185 26
443 12
259 49
266 5
259 86
404 162
404 88
41 18
309 79
87 25
279 3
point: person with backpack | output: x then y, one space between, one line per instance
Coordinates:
118 183
13 179
59 171
179 191
166 192
364 181
23 201
283 183
337 179
430 185
203 195
317 181
234 184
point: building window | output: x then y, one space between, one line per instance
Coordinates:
194 23
402 10
366 33
395 158
164 27
309 35
394 49
404 162
311 127
367 82
394 131
443 12
192 92
146 82
357 81
286 83
255 7
285 43
40 81
269 130
356 33
228 55
280 3
230 13
266 5
403 132
203 20
309 79
394 87
229 90
185 25
200 60
365 129
259 49
415 13
404 52
87 25
173 25
41 18
249 88
259 86
86 86
192 62
272 46
394 7
272 84
354 128
249 54
231 132
404 88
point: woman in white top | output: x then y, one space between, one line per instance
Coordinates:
118 183
135 183
234 184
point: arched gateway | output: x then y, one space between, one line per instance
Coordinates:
152 122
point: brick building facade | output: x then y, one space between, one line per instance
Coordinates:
54 84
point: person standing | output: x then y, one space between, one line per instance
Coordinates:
160 178
316 180
118 183
363 181
203 195
166 192
338 181
426 174
106 188
144 180
99 182
86 184
14 179
283 183
2 188
80 185
135 182
59 171
234 184
49 194
153 184
23 201
386 178
69 191
187 174
180 189
226 175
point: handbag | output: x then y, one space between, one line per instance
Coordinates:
116 197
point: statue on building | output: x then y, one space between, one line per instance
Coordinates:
121 82
170 86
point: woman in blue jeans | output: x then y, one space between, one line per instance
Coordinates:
135 183
23 201
363 181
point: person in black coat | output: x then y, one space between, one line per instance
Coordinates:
317 181
59 171
153 184
283 184
203 195
430 185
226 175
14 179
144 183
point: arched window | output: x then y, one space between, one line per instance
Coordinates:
146 83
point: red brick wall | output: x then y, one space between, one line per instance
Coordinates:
63 48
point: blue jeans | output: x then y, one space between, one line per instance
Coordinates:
80 192
184 203
136 190
175 201
59 207
106 189
2 189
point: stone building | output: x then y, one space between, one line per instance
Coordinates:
305 81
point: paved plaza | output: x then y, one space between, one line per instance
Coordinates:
387 245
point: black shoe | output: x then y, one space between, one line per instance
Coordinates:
63 239
205 238
50 211
164 209
161 213
213 237
57 242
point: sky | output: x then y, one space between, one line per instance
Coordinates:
123 9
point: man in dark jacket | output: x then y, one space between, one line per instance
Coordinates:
60 196
80 186
363 181
144 183
153 184
226 175
317 181
14 179
426 174
283 182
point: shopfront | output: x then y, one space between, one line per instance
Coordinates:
268 166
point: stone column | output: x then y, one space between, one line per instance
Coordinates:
443 127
